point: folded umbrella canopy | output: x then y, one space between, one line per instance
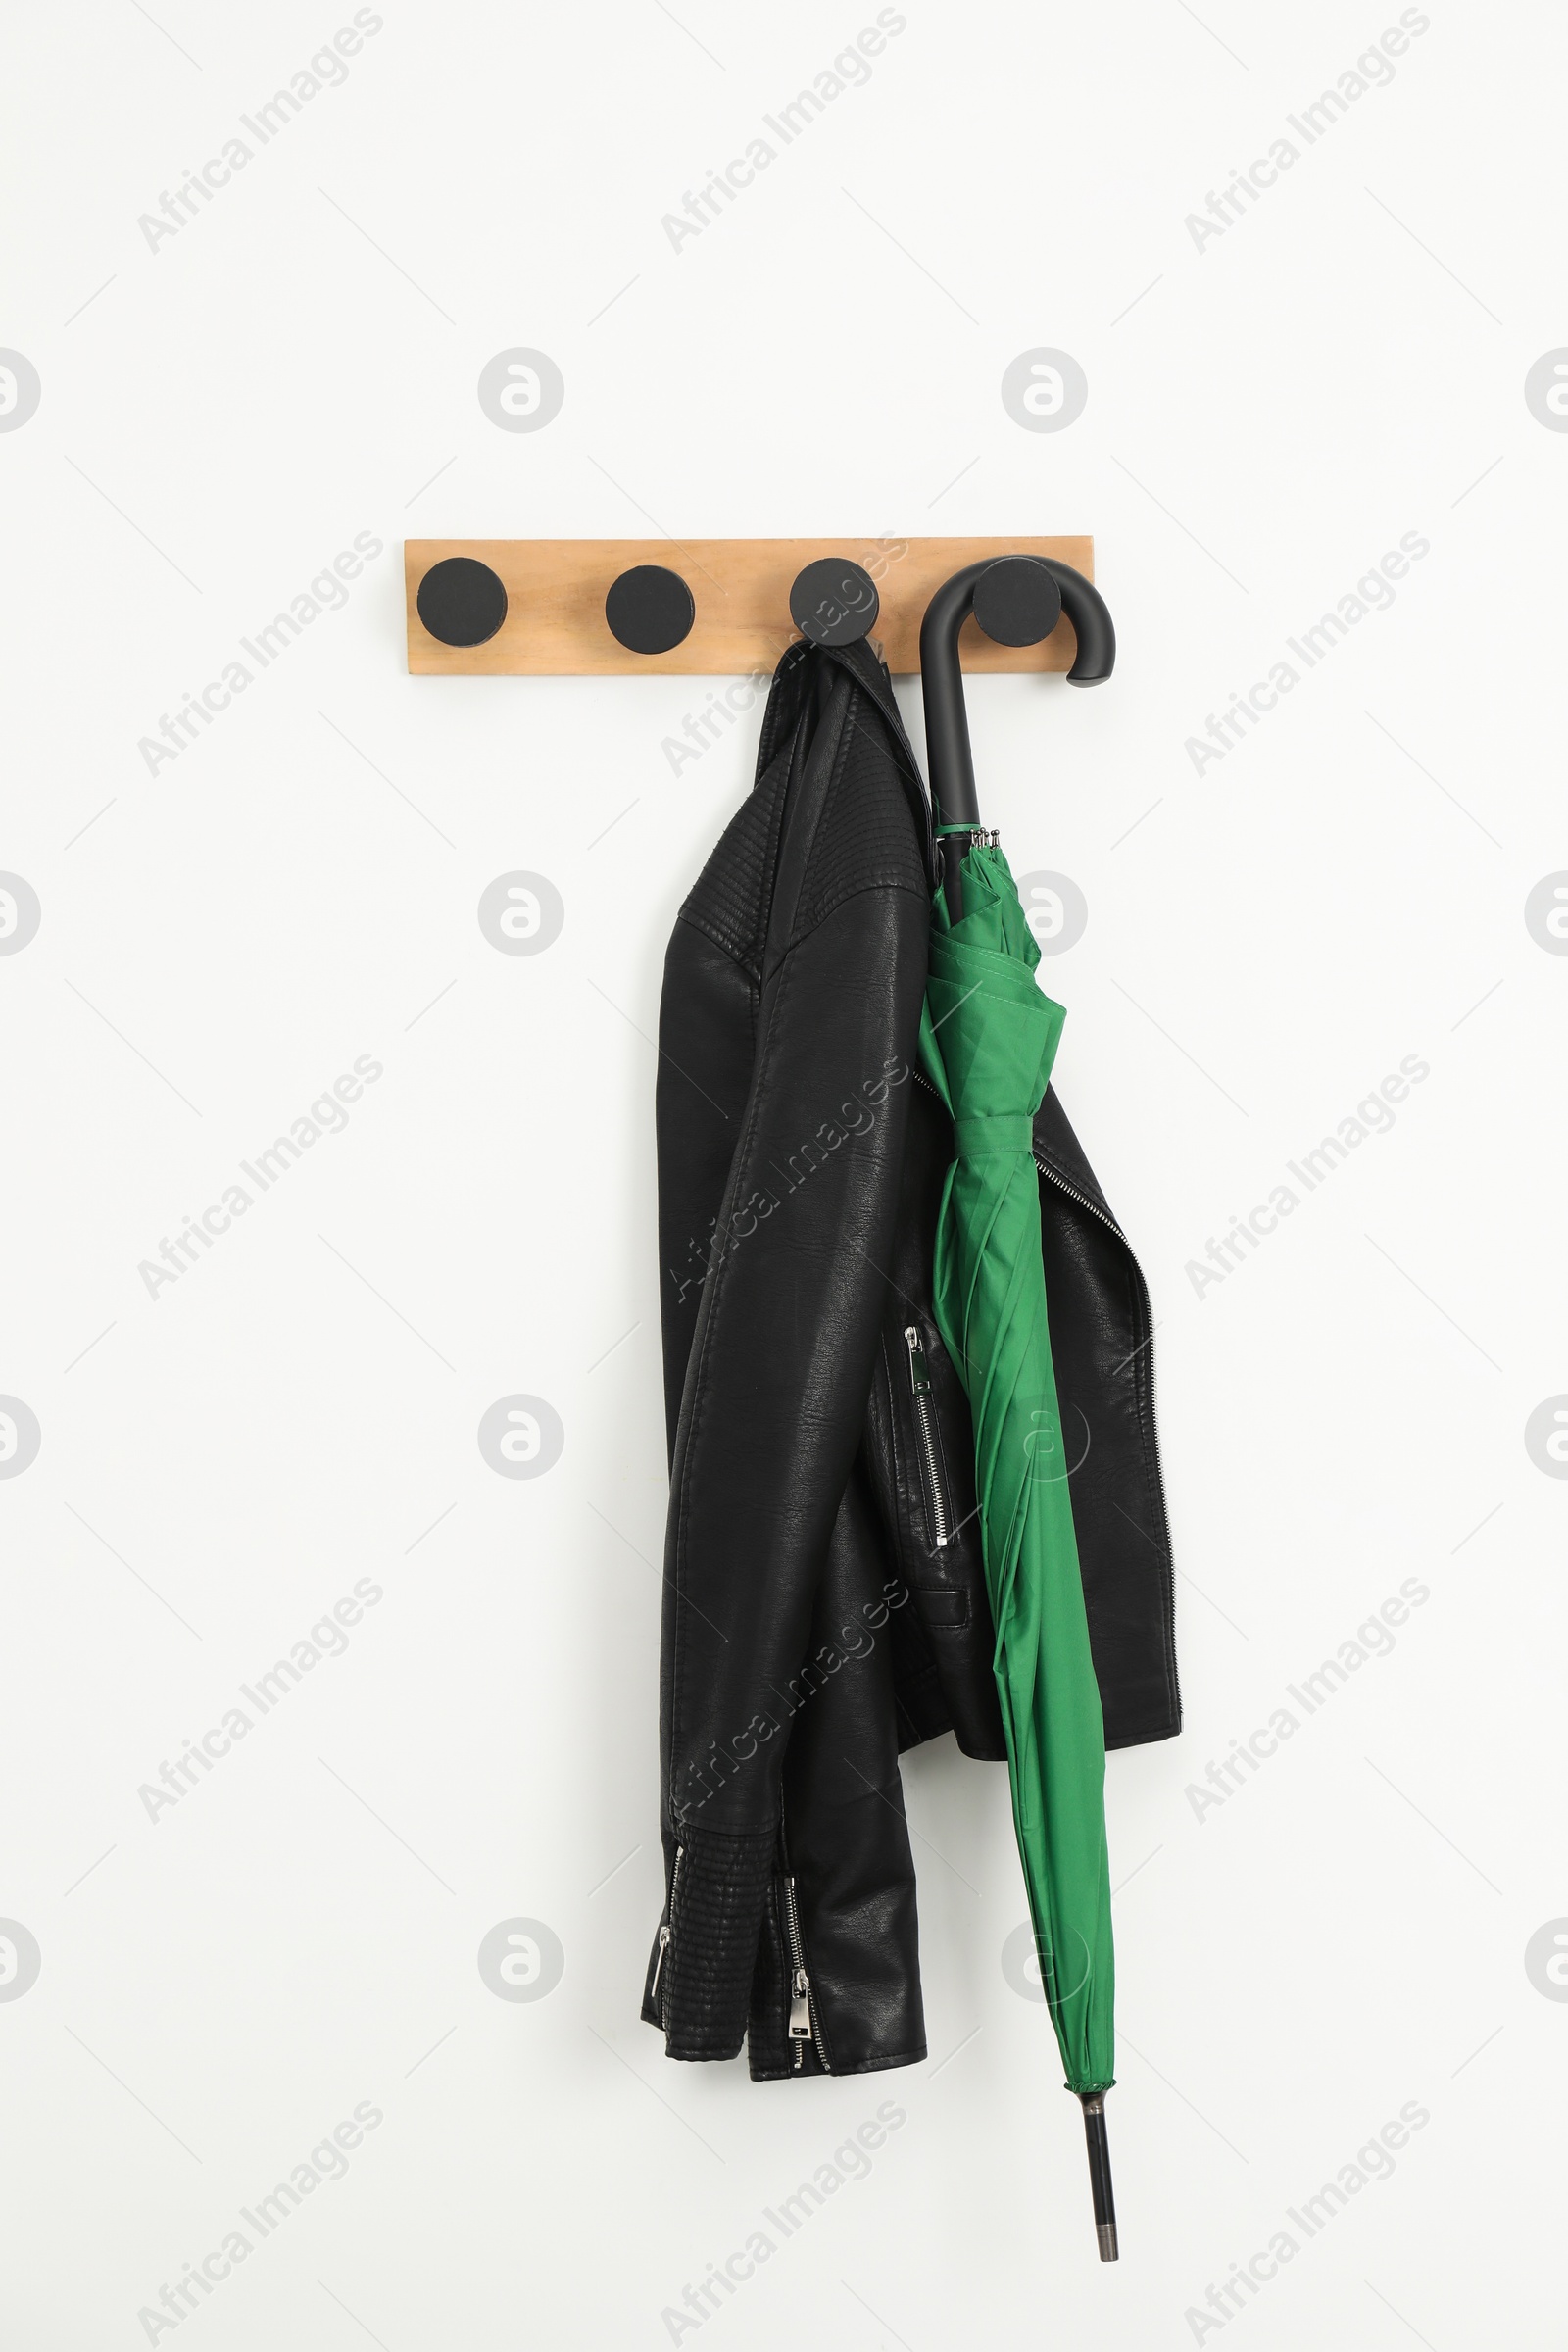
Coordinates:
989 1037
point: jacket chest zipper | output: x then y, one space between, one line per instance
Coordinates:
803 2001
663 1940
925 1427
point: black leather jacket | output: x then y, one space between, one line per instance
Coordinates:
824 1596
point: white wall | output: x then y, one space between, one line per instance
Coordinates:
1271 934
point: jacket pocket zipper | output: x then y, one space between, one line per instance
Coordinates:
937 1515
803 2001
663 1941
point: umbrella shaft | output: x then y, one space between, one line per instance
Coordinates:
1093 2106
949 762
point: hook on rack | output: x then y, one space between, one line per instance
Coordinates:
649 610
461 601
1016 600
834 602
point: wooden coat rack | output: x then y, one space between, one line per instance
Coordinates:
716 608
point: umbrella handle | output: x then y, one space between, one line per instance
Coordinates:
1093 2106
1014 603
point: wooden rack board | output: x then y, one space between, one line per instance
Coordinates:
556 588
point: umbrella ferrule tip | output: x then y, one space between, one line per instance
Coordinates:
1106 2232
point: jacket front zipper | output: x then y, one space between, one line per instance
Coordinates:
925 1424
803 2001
664 1933
1102 1216
1062 1185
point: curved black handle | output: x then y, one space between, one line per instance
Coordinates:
1092 625
1012 601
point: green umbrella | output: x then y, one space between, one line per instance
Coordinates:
988 1039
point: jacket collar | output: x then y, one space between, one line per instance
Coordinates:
796 674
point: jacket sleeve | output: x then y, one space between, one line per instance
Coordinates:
773 1406
707 1045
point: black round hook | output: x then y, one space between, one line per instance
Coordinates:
649 610
834 602
1016 600
1005 596
461 601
